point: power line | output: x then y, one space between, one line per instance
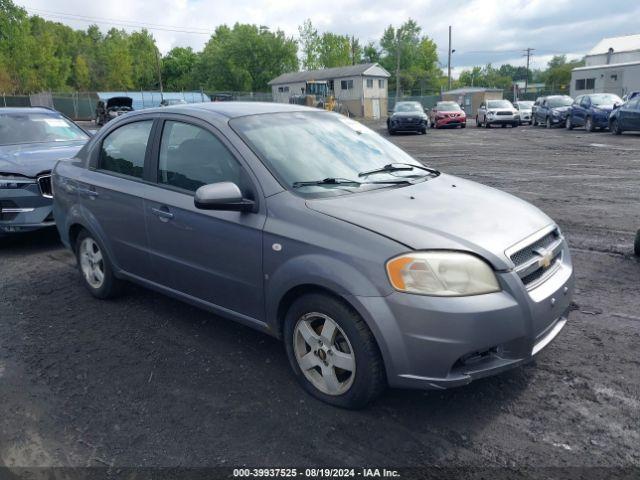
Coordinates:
123 23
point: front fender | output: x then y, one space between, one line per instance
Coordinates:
314 270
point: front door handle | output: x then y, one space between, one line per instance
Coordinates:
88 192
162 213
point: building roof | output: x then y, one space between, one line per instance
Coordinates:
627 43
372 69
608 65
464 90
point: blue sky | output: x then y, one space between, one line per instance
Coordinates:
484 31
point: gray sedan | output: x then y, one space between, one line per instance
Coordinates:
32 140
374 269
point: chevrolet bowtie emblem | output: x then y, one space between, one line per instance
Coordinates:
546 257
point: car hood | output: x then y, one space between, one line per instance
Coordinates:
562 109
445 212
34 158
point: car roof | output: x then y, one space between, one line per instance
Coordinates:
11 110
232 109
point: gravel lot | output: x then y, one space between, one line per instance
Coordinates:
145 380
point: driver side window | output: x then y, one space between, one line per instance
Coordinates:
586 102
191 157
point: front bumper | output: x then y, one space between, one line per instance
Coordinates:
436 342
503 120
451 121
406 126
24 209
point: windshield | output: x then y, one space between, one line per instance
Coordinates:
605 99
447 106
555 102
308 146
29 127
408 107
525 105
499 104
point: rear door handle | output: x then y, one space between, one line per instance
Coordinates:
163 213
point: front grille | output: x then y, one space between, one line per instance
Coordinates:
504 113
539 259
44 182
409 120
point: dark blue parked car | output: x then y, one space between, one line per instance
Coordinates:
592 111
552 110
626 117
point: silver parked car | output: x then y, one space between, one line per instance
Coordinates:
32 141
374 269
524 109
497 112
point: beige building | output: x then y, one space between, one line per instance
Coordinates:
470 98
362 89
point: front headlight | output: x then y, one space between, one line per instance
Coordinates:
442 274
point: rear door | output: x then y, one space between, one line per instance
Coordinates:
213 256
631 114
112 191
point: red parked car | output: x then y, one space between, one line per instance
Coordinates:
447 114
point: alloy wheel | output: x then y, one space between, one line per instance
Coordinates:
92 262
324 354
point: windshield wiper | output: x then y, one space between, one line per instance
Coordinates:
397 167
327 181
346 181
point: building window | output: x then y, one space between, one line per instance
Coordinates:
580 84
369 82
590 83
381 83
614 78
283 89
346 84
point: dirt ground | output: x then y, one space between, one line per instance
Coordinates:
145 380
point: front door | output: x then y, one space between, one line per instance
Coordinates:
214 256
376 108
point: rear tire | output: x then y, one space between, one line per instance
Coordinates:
319 332
547 122
96 267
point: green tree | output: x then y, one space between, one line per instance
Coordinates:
178 69
15 54
117 61
81 74
309 44
370 53
558 73
334 50
145 62
245 58
411 57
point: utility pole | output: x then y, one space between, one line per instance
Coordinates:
159 75
449 59
397 64
526 79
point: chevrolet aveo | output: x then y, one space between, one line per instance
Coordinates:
374 269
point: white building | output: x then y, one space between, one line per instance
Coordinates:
362 89
612 66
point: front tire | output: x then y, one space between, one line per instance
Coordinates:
615 127
332 352
96 267
568 124
588 125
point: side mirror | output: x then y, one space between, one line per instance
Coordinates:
222 196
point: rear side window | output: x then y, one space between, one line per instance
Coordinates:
191 156
124 149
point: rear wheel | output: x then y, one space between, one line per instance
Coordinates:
547 122
95 267
332 352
